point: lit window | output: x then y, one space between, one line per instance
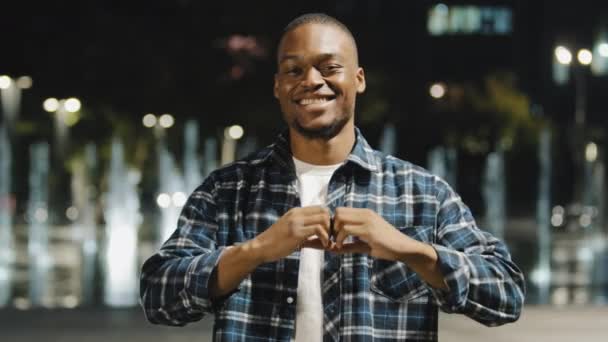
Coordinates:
468 19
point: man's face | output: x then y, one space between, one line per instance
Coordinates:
317 80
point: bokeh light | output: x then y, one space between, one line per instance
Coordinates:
235 132
584 56
563 55
24 82
179 199
72 105
603 49
591 152
166 121
149 120
437 90
5 82
163 200
50 105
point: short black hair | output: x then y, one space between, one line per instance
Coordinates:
319 18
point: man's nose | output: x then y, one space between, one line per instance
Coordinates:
312 78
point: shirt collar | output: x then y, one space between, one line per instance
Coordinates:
361 155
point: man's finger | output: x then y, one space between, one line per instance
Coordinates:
346 230
322 219
318 230
340 237
345 215
323 235
353 247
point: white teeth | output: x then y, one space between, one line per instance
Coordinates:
311 101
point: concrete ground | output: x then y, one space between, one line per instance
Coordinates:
96 325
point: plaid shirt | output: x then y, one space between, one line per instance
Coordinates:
364 299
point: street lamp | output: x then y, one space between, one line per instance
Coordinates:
10 91
5 82
149 120
231 135
584 56
66 112
437 90
159 123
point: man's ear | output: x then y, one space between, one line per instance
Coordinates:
360 80
275 89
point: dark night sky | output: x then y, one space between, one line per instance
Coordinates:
139 56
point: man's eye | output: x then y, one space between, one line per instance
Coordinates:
292 71
331 68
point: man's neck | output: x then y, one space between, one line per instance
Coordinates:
320 151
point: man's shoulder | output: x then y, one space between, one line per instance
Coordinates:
239 168
391 164
414 177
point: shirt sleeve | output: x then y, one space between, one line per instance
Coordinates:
174 283
483 282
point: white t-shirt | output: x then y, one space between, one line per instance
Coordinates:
312 186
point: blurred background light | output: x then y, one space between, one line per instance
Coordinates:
71 118
584 56
163 200
166 120
71 213
5 82
563 55
72 105
557 220
603 49
558 210
441 8
41 215
179 199
69 302
24 82
149 120
591 152
51 104
235 132
21 303
585 220
437 90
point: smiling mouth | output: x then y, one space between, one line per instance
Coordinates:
314 100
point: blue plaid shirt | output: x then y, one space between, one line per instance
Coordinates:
364 299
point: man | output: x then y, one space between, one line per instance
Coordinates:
320 238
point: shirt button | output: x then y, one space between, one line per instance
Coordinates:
289 300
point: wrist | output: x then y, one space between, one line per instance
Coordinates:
254 250
414 252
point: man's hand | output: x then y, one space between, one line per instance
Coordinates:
373 235
378 238
294 230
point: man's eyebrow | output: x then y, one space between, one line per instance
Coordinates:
327 56
287 57
321 57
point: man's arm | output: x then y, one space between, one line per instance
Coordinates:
483 281
469 270
423 259
381 240
278 241
182 282
174 281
